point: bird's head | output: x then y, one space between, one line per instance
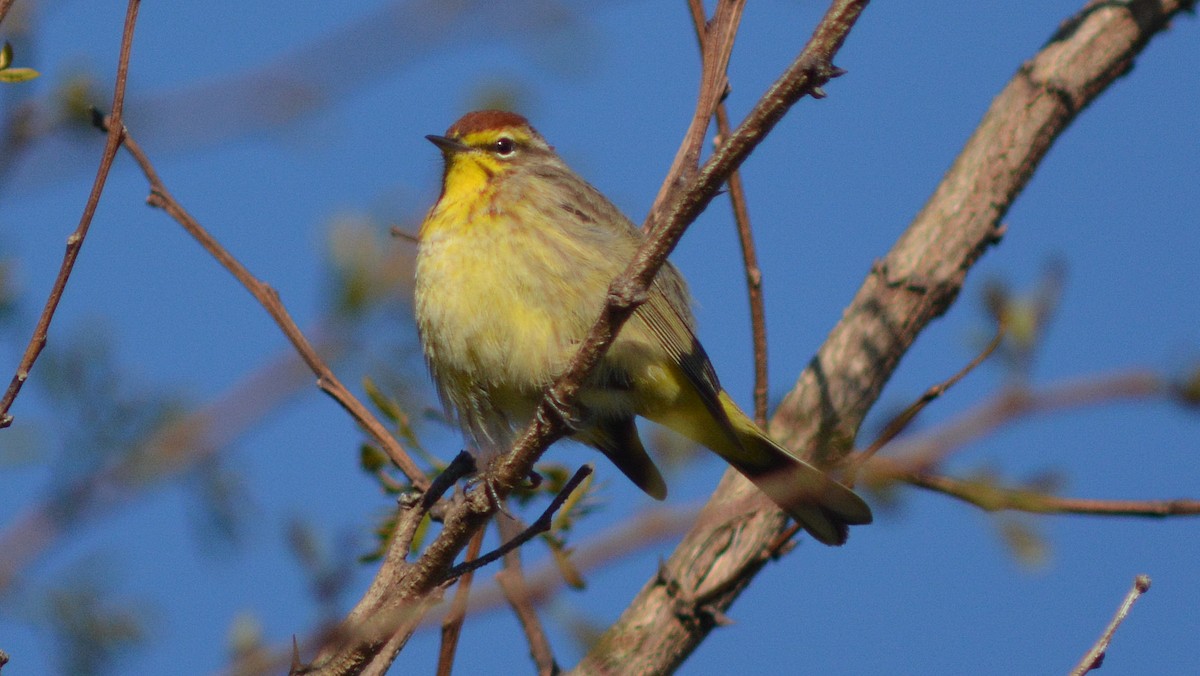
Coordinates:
487 145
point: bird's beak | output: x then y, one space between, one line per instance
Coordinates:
447 144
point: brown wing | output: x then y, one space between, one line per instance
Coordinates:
669 319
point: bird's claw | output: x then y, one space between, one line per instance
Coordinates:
564 413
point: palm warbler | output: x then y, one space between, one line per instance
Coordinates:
513 267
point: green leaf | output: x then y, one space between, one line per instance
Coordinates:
371 459
1025 542
388 407
18 74
566 567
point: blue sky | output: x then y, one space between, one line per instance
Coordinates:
931 588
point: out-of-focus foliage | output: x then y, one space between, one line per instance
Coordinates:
91 630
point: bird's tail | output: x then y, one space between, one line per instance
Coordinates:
821 505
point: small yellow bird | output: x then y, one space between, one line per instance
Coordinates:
513 267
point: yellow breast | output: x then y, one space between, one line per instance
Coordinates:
492 304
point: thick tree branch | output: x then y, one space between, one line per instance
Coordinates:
916 282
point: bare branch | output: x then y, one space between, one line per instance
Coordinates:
173 449
511 581
5 5
741 216
715 48
161 198
646 528
405 235
462 465
993 498
378 625
75 241
899 423
381 623
513 584
453 622
1095 656
914 460
928 450
754 280
538 527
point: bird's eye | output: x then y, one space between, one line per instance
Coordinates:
504 146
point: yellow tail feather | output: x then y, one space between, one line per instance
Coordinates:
821 505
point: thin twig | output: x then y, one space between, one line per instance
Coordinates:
5 5
929 450
1095 657
174 448
414 508
405 235
715 51
754 280
268 297
538 527
646 528
453 622
512 583
899 423
913 463
462 465
741 216
75 241
993 498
